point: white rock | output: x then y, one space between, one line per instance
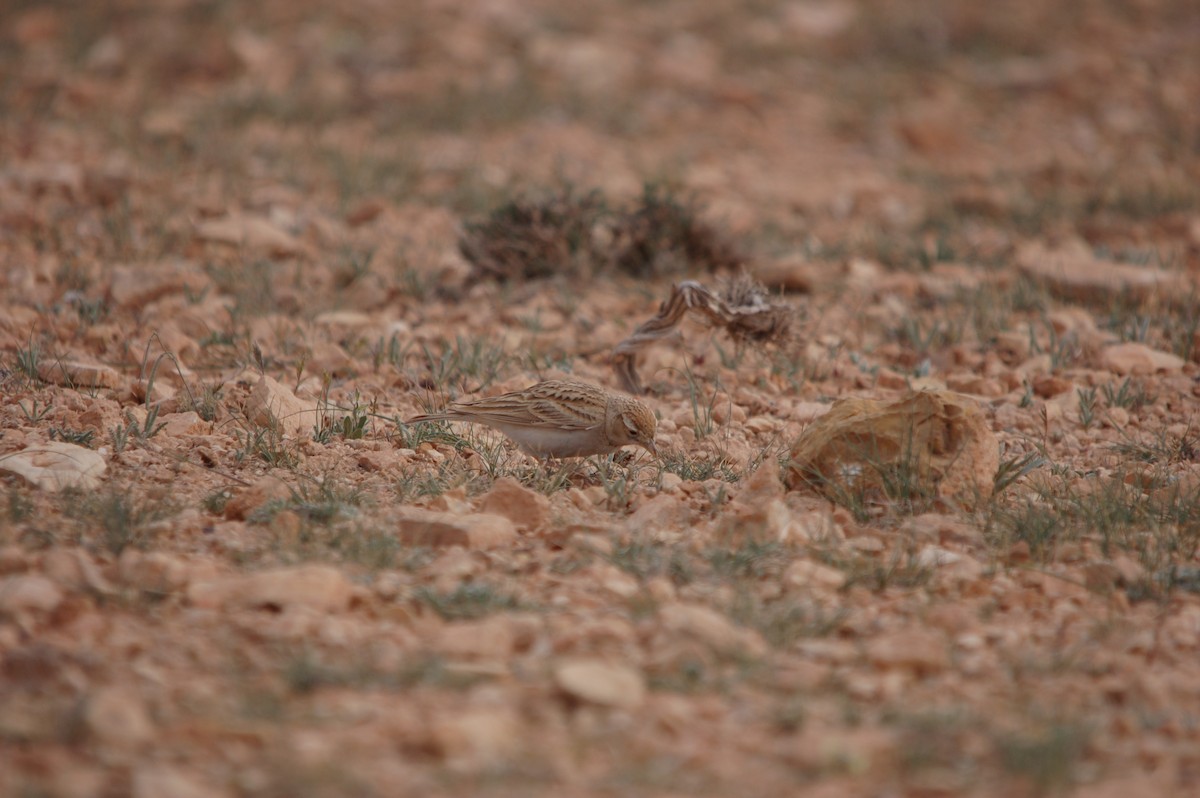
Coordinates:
806 573
28 592
527 509
599 682
936 557
56 466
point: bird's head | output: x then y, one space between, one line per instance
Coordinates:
632 423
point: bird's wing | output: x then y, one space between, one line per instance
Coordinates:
558 404
527 413
562 415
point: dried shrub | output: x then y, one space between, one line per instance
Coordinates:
663 234
529 238
583 235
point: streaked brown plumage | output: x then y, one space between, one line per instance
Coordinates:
560 418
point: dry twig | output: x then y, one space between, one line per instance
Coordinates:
744 310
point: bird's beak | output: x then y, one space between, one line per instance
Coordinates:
650 447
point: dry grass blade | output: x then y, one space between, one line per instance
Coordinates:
744 310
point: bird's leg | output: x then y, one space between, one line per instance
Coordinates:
567 470
555 471
603 463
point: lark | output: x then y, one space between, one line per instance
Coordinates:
560 418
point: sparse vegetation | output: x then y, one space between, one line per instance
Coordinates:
747 213
115 519
266 444
469 600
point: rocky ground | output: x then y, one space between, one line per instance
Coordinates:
241 243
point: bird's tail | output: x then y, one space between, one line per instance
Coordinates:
428 417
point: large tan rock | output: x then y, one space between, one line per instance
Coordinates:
527 509
417 527
79 374
55 466
319 587
935 442
271 404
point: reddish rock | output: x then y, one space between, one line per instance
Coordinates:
528 510
267 489
416 527
271 404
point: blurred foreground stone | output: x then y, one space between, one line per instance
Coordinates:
417 527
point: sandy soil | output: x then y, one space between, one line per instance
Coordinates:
240 243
